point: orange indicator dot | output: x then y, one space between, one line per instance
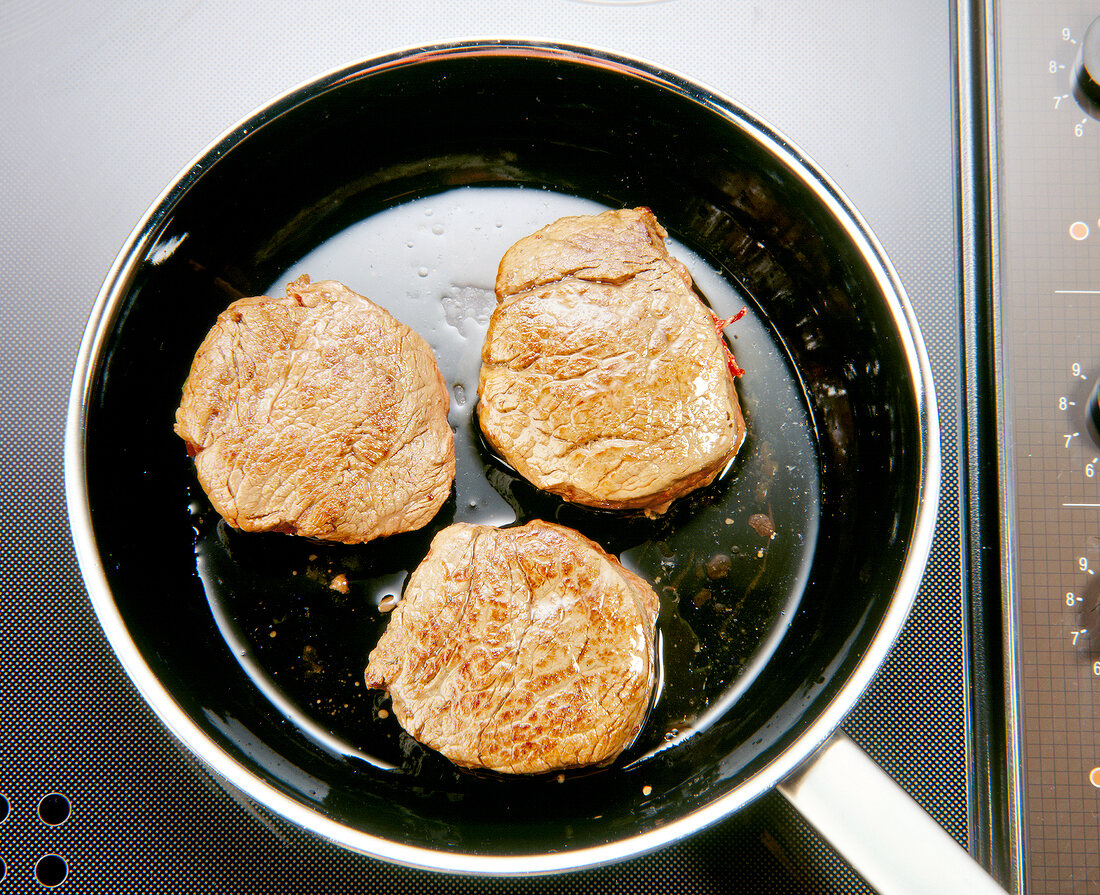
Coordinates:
1079 230
1094 777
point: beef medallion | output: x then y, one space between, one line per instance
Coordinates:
520 650
318 414
604 377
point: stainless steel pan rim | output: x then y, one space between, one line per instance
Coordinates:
103 317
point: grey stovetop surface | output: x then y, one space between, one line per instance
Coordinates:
102 104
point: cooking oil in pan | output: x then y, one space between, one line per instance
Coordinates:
729 562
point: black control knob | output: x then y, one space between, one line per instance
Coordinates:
1086 71
1093 412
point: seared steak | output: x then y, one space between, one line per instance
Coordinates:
318 414
521 650
604 378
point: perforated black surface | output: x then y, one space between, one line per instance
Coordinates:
100 112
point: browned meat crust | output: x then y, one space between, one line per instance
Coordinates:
318 414
604 378
520 650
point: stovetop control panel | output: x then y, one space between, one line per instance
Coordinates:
1047 173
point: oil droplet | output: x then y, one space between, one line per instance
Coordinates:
718 566
422 271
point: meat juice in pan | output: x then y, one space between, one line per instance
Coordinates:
729 561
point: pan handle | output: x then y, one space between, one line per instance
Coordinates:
883 833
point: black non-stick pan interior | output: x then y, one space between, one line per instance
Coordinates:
248 633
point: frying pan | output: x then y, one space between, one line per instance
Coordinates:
783 584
